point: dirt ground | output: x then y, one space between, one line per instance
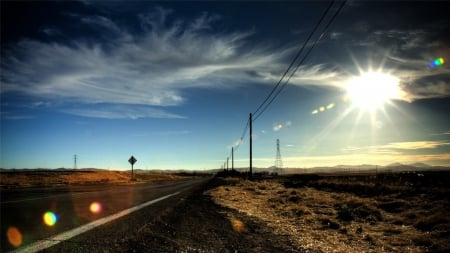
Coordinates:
56 178
338 215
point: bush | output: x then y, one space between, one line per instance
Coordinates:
395 206
361 212
331 224
428 223
345 213
294 199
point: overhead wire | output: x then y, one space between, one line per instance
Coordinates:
265 105
242 135
302 60
296 57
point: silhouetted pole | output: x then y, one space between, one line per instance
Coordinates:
232 158
132 161
251 155
227 162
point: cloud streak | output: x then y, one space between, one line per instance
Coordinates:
119 111
151 68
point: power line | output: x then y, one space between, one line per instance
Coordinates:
304 58
265 105
295 58
242 136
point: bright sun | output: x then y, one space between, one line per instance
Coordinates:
371 90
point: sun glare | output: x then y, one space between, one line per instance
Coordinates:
372 90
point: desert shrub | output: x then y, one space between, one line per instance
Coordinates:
249 188
422 241
294 199
343 230
345 213
428 223
392 231
276 200
300 211
368 213
349 212
262 187
394 206
442 230
329 223
281 191
299 181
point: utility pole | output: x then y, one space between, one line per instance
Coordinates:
232 158
75 162
251 152
227 162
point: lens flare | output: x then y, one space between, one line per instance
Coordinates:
96 207
238 225
277 127
323 108
50 218
436 62
14 236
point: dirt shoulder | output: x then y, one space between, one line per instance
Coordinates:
338 215
197 224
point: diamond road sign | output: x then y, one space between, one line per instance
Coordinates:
132 160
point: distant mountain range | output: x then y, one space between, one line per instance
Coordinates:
393 167
418 165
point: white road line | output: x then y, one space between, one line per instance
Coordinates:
49 242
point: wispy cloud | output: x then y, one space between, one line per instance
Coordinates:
417 145
121 112
396 147
10 116
149 68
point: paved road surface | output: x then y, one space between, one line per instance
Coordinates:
25 210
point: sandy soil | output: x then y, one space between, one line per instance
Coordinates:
323 219
49 178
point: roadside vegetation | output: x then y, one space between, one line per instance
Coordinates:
403 212
56 178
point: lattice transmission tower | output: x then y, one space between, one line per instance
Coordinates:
278 161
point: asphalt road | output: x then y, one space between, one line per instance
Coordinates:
24 211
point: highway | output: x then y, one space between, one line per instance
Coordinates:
29 216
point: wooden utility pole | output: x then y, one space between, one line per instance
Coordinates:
232 158
250 174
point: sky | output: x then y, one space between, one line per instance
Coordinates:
174 83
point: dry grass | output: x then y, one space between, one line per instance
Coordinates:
329 218
64 178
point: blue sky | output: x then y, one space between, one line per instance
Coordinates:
173 83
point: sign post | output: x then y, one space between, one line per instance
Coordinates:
132 161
